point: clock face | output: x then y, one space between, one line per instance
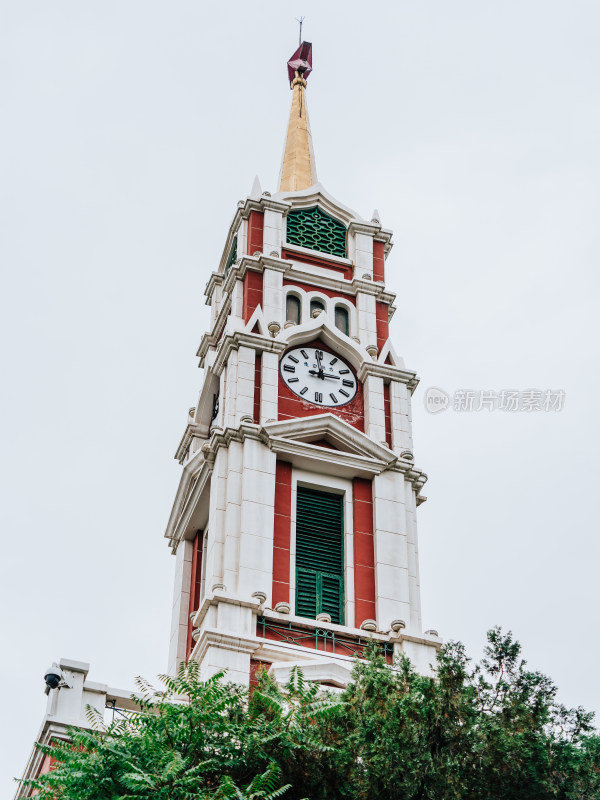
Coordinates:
319 377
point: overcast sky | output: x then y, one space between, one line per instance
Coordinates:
129 131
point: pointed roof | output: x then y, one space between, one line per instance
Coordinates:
298 168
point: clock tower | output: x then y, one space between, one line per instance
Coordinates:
294 525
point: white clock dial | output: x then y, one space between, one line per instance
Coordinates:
318 377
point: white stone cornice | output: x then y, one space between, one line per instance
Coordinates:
260 204
388 372
233 341
211 339
385 235
216 279
191 429
195 475
362 226
224 640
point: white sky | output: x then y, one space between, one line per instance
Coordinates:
129 131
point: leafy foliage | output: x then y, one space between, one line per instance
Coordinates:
473 732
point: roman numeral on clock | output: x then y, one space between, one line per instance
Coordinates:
333 397
331 363
293 380
304 391
293 358
287 368
304 353
318 397
348 383
344 371
344 392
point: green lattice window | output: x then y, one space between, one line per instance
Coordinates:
319 554
313 228
232 257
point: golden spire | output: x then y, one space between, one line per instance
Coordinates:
298 169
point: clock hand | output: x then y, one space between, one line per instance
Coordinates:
318 357
323 375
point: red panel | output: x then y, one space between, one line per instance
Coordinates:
256 222
49 764
364 551
378 262
317 261
291 406
195 585
387 409
281 533
253 293
257 385
308 287
256 667
383 325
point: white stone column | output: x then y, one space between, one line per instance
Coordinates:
181 604
413 559
232 516
245 383
237 299
374 408
213 568
229 401
363 255
391 549
269 390
400 418
272 232
273 295
366 318
257 520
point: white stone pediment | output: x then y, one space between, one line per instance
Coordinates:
317 195
335 431
321 327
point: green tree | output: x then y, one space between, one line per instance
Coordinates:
474 732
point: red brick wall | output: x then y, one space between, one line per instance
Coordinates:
253 293
257 385
256 222
387 408
383 325
281 535
291 406
364 551
318 261
378 262
195 585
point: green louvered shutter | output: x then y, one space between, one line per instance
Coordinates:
319 554
313 228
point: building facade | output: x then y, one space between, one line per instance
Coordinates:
294 525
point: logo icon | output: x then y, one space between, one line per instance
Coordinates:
436 400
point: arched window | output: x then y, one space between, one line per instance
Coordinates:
342 319
316 305
292 309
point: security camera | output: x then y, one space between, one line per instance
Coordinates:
53 677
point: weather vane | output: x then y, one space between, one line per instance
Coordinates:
301 20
